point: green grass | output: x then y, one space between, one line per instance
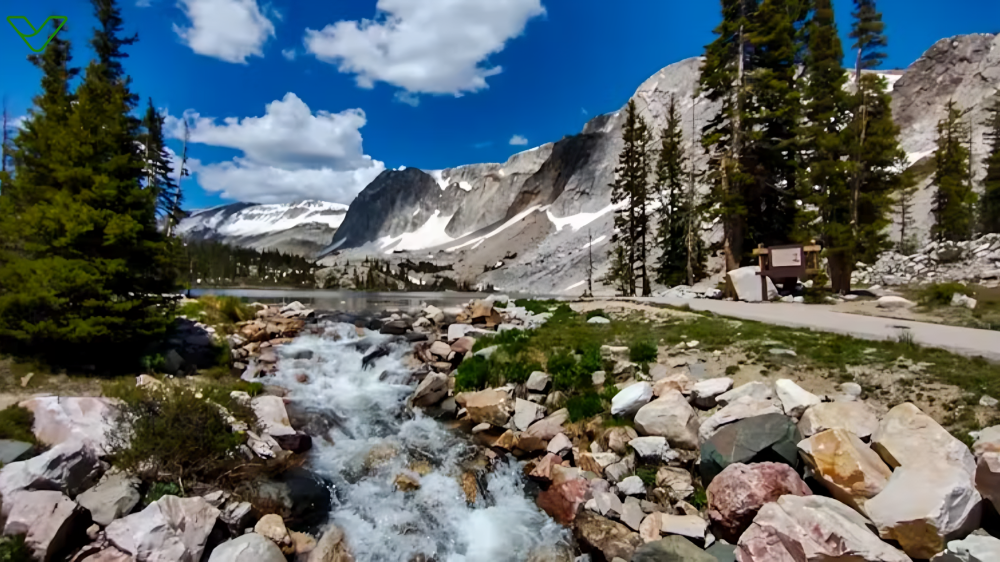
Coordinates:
15 424
537 306
648 475
939 294
13 549
583 406
642 352
159 489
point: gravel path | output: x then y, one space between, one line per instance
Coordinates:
964 341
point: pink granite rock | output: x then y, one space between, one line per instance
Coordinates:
738 492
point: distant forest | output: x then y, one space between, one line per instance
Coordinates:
214 264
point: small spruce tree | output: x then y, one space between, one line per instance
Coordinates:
903 207
953 199
157 170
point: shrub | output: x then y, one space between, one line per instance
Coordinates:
473 374
597 312
15 424
13 549
590 358
584 406
518 371
160 489
176 431
647 474
566 371
642 352
939 294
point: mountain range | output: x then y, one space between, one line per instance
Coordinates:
533 223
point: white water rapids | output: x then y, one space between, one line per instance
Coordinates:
382 523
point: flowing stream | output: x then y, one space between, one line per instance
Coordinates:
375 438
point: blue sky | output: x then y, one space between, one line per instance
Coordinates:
293 99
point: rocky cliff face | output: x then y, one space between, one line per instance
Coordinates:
546 205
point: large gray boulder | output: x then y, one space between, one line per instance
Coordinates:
671 549
908 437
741 408
70 467
431 390
113 497
251 547
171 529
49 521
767 438
672 417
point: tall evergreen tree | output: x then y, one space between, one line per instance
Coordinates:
157 170
953 196
868 33
630 192
990 203
5 143
88 268
903 204
827 112
671 269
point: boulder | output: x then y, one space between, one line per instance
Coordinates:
538 382
50 522
70 467
767 438
171 529
924 506
907 436
632 486
237 516
812 529
60 418
440 349
988 478
746 282
672 417
671 549
851 471
251 547
756 390
616 472
794 399
331 547
543 468
431 390
653 449
434 314
113 497
890 302
856 417
526 413
677 381
463 345
548 427
560 445
456 331
272 527
617 439
676 481
742 408
704 393
692 526
987 441
739 491
598 534
271 415
974 548
395 328
492 406
608 504
629 400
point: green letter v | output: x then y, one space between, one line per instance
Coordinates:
10 19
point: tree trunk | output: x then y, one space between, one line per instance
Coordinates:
840 267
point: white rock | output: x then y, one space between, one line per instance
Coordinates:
742 408
988 401
631 399
598 320
60 418
608 504
794 398
598 378
632 486
653 449
757 390
685 525
271 415
538 382
851 389
272 527
746 281
908 437
250 547
441 349
632 514
456 331
435 314
560 445
892 302
71 467
48 520
111 498
925 505
527 412
171 529
856 417
958 299
672 417
974 548
705 392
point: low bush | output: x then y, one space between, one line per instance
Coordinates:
177 431
13 549
567 372
642 352
590 358
583 406
473 374
939 294
159 489
594 313
647 474
15 424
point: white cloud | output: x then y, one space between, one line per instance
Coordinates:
288 53
518 140
230 30
430 46
290 153
409 99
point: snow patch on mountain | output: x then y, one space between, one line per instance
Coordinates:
430 234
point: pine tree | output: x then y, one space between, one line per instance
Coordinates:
990 203
670 238
87 268
953 196
5 143
157 171
903 204
630 193
869 38
827 173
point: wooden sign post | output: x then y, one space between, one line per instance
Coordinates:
779 262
